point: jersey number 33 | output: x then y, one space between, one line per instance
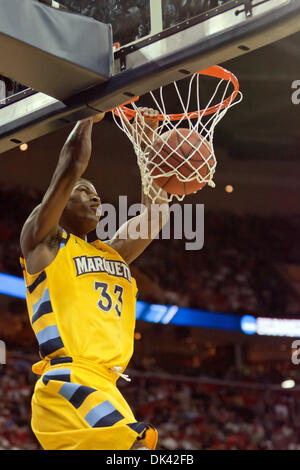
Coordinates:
107 302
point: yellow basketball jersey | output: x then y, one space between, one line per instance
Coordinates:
83 304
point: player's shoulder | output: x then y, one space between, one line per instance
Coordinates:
26 236
106 247
100 245
28 224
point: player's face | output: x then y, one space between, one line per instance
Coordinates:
84 206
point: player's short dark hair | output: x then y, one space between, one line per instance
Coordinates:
84 180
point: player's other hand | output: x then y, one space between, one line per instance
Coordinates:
149 113
147 121
148 124
150 117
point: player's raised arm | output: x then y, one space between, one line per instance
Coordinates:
134 236
73 161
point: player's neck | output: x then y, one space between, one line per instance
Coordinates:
83 237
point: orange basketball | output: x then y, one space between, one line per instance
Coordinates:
190 157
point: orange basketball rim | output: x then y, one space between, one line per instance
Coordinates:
215 71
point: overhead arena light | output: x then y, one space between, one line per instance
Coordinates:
288 383
23 147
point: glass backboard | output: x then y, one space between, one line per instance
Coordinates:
130 19
177 11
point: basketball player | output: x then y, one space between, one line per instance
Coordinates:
81 303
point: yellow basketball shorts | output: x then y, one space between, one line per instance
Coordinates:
75 408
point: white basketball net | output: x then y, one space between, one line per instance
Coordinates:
199 122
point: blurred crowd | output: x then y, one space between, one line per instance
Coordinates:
16 386
236 271
190 415
15 205
196 416
214 362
